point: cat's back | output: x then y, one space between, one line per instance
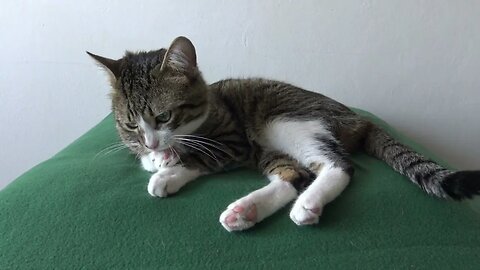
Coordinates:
254 103
269 99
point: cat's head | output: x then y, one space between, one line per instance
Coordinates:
156 95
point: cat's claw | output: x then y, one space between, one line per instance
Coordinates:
239 217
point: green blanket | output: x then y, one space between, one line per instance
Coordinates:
83 209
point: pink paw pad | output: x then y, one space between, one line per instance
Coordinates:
238 209
250 214
231 219
239 217
315 210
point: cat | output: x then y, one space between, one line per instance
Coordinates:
182 128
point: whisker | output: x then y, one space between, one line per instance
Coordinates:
111 146
108 149
198 149
114 150
200 137
176 153
202 146
209 144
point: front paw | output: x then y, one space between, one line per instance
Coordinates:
148 163
155 161
163 183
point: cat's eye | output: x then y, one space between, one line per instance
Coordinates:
131 126
163 117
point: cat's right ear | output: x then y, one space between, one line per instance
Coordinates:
181 57
113 67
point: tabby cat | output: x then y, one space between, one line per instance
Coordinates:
182 128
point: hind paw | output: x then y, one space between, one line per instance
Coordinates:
239 216
305 212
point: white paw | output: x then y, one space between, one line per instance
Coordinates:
148 163
306 211
164 182
239 216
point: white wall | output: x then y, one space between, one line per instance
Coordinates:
414 63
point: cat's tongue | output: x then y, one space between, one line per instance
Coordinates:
167 154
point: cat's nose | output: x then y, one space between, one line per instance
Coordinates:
152 145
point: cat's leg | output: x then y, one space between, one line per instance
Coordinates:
168 180
169 176
284 174
315 147
333 172
330 182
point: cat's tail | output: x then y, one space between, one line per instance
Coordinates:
427 174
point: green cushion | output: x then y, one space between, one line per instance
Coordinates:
81 209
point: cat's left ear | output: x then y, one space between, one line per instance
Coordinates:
113 67
181 57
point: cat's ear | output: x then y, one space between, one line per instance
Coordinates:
181 57
113 67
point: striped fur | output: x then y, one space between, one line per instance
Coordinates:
252 122
427 174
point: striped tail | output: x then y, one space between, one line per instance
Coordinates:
428 175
